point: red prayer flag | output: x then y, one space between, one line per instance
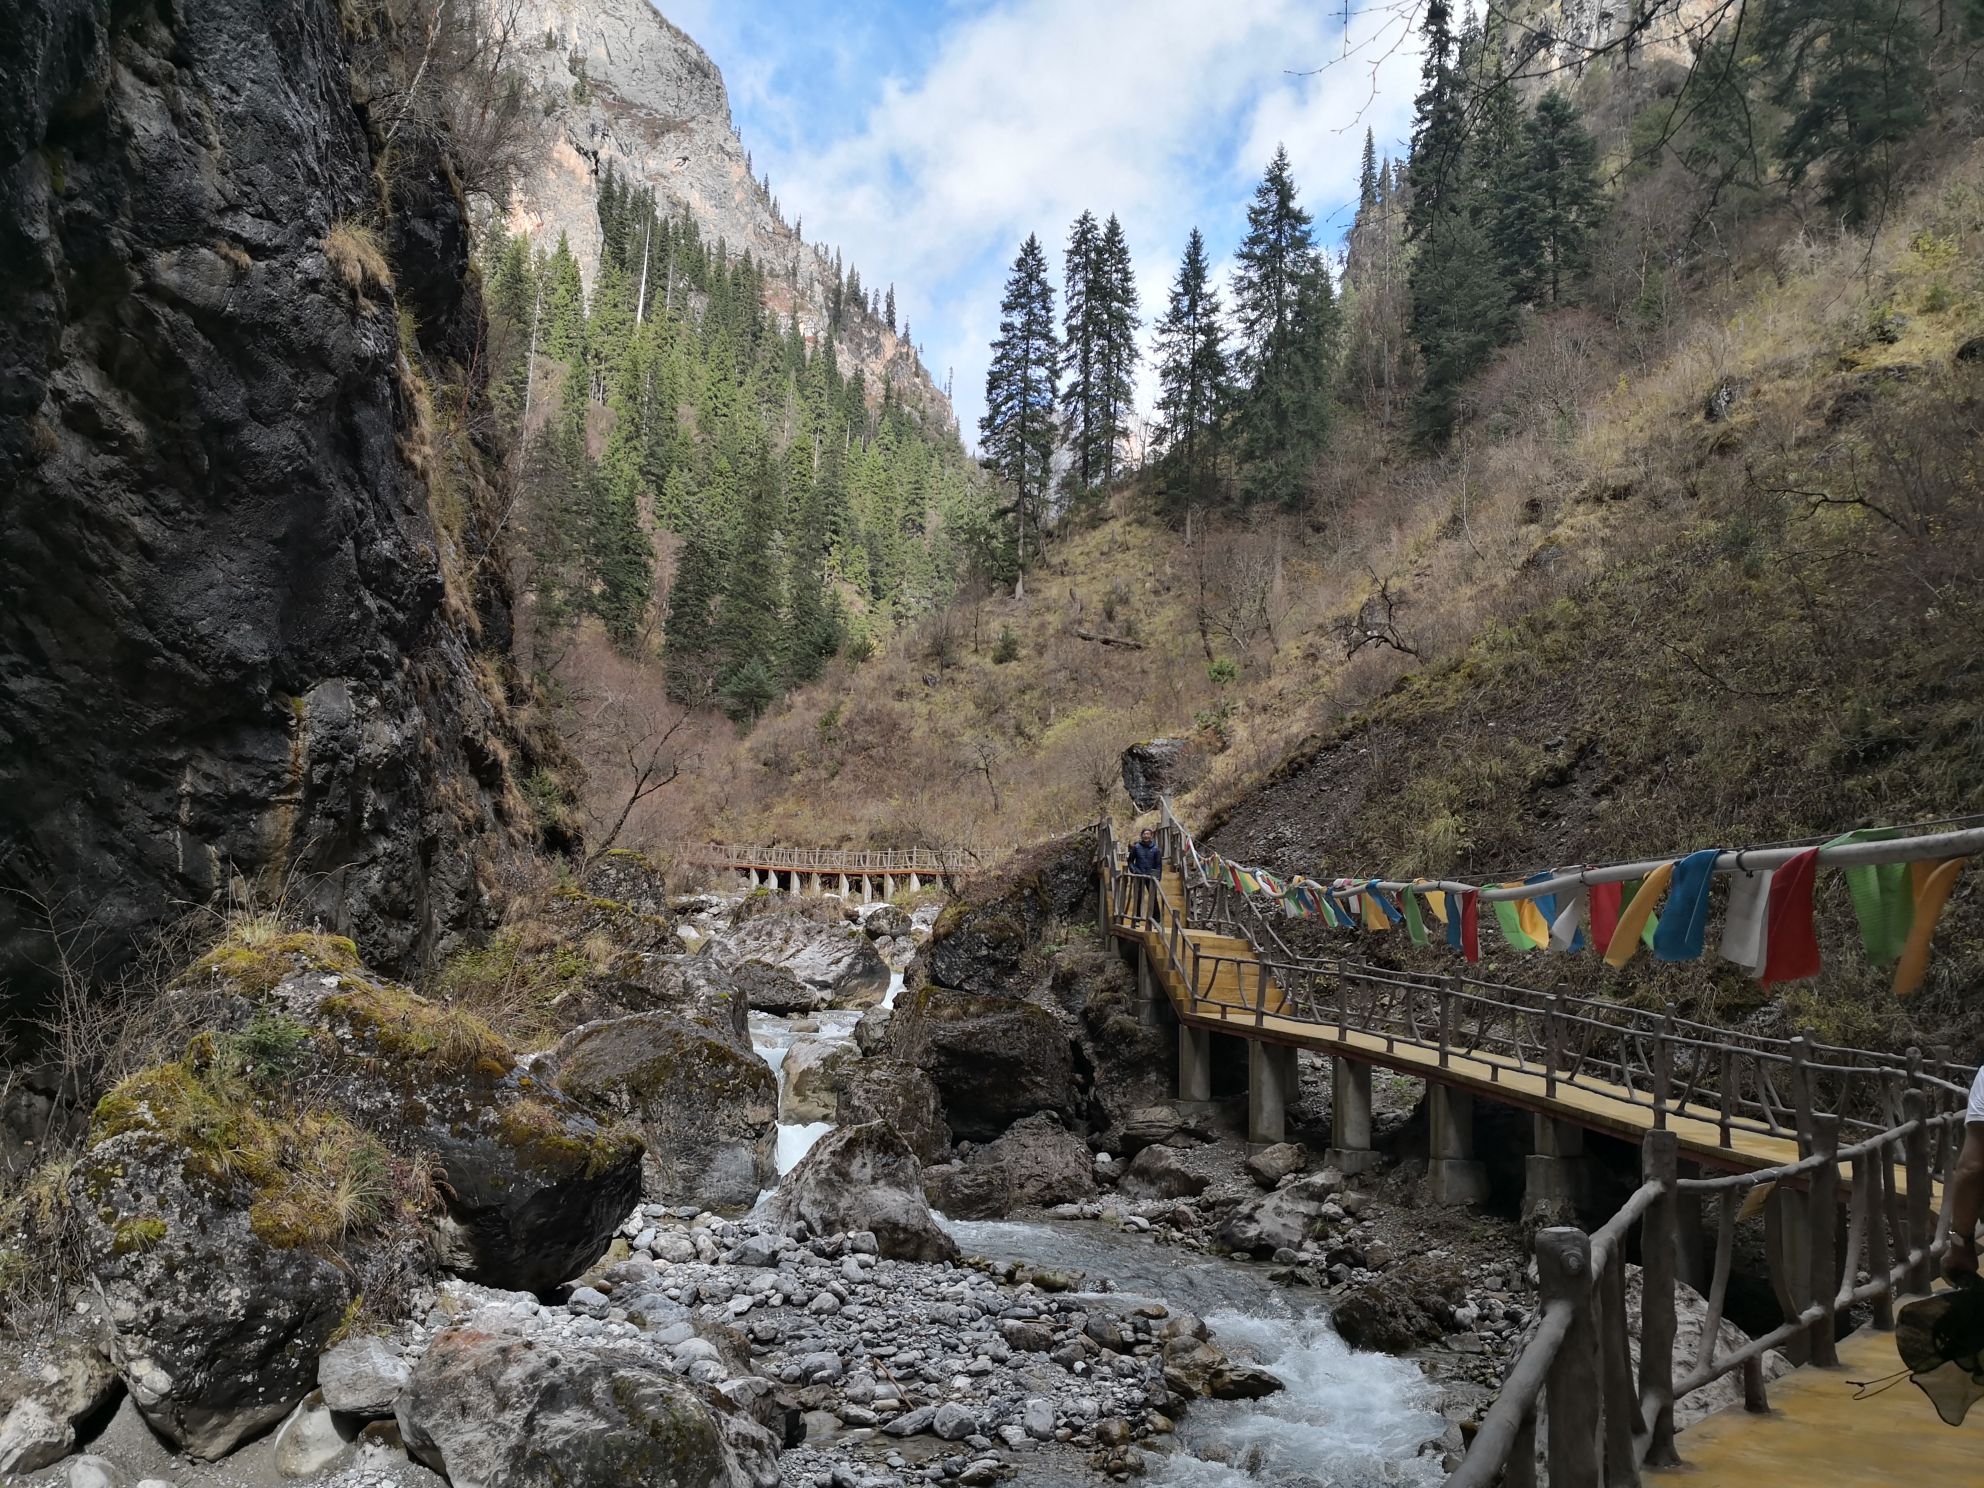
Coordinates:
1470 939
1793 950
1602 908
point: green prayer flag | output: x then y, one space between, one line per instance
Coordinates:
1627 893
1510 924
1883 899
1414 925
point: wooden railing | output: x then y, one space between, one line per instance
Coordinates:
1605 1424
1606 1420
771 859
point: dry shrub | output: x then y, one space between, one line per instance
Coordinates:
359 257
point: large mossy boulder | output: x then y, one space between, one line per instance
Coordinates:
898 1093
994 1060
707 1109
329 1143
864 1178
983 944
493 1409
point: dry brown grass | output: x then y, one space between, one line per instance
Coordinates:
359 257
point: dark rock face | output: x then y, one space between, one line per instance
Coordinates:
227 647
501 1411
707 1109
981 946
994 1060
1160 767
900 1094
864 1178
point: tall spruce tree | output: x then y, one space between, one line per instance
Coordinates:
747 631
1195 382
1286 318
689 657
1083 307
1367 180
1020 386
1550 204
1116 345
1854 76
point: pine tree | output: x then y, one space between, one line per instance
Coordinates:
1367 184
889 308
811 634
746 633
1286 318
1550 204
1082 311
1194 380
564 306
1020 385
1116 349
1855 78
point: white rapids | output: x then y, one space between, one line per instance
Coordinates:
772 1037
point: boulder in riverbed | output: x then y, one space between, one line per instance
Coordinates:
815 1071
994 1060
897 1092
1281 1220
707 1109
44 1394
497 1410
795 955
1272 1164
1161 1173
864 1178
1043 1161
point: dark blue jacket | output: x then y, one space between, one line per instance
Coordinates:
1146 859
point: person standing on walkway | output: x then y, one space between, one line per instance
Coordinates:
1147 857
1966 1190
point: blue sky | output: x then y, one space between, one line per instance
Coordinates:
926 138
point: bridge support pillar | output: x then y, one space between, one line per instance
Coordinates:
1554 1174
867 890
842 886
1194 1066
915 884
1455 1177
1271 1085
1350 1117
752 874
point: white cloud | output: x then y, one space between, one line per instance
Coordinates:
1029 111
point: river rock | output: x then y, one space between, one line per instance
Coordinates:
1272 1164
497 1410
1407 1307
707 1109
814 1070
1690 1318
897 1092
1281 1220
886 921
863 1178
308 1441
1043 1161
44 1393
1160 1173
1147 1126
994 1060
800 955
361 1376
1198 1369
968 1190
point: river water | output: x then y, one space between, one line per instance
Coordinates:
1345 1420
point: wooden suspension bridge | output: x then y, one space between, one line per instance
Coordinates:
1842 1151
864 873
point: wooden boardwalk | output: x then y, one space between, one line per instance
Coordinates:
1841 1150
1817 1434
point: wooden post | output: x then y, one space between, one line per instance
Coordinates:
1663 1071
1260 991
1449 989
1554 1035
1521 1469
1755 1399
1867 1182
1563 1268
1621 1401
1823 1217
1919 1231
1801 1087
1726 1079
1659 1246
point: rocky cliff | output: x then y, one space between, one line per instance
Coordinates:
1556 40
243 631
623 87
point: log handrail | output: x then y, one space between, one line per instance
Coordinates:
776 859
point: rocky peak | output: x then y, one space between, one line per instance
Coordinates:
1565 34
627 89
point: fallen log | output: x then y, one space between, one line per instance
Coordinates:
1108 640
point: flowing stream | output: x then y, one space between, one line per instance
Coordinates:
1346 1419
